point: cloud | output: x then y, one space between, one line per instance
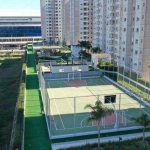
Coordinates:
19 12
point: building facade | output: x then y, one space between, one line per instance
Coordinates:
121 28
67 21
81 24
51 20
17 26
18 29
118 27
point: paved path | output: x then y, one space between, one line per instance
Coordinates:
36 134
90 141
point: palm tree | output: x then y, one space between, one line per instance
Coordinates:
88 45
80 44
144 121
98 111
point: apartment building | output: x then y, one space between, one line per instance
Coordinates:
121 28
51 20
81 22
118 27
99 24
68 21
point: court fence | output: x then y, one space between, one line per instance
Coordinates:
135 81
64 120
64 75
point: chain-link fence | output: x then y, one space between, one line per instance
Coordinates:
134 81
66 116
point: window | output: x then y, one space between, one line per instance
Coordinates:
137 29
136 52
137 18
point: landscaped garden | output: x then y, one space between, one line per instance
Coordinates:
135 144
12 68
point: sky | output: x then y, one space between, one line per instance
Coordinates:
19 7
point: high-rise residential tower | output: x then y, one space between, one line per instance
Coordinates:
118 27
121 28
81 22
51 20
68 21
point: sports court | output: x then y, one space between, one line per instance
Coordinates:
65 101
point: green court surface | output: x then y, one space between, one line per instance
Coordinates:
67 100
36 135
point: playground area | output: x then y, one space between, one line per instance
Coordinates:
65 99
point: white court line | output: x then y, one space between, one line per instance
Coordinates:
82 115
57 109
137 105
89 81
59 82
53 119
66 98
76 127
83 120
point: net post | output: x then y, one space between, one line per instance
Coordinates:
124 118
119 109
73 75
140 106
74 115
49 117
129 77
123 74
68 76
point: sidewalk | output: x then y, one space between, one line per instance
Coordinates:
91 141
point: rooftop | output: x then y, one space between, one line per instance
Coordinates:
102 54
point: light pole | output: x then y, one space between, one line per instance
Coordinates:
120 138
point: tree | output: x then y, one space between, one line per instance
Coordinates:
96 50
88 45
108 63
101 62
144 121
82 44
98 111
50 41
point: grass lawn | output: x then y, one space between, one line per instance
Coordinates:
10 73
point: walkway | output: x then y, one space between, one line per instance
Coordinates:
92 141
36 134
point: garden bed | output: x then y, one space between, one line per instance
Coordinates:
10 73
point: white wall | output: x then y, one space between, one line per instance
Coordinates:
75 50
94 59
55 69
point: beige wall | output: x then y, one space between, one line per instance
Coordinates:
43 19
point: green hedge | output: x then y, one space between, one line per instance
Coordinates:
143 82
134 144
